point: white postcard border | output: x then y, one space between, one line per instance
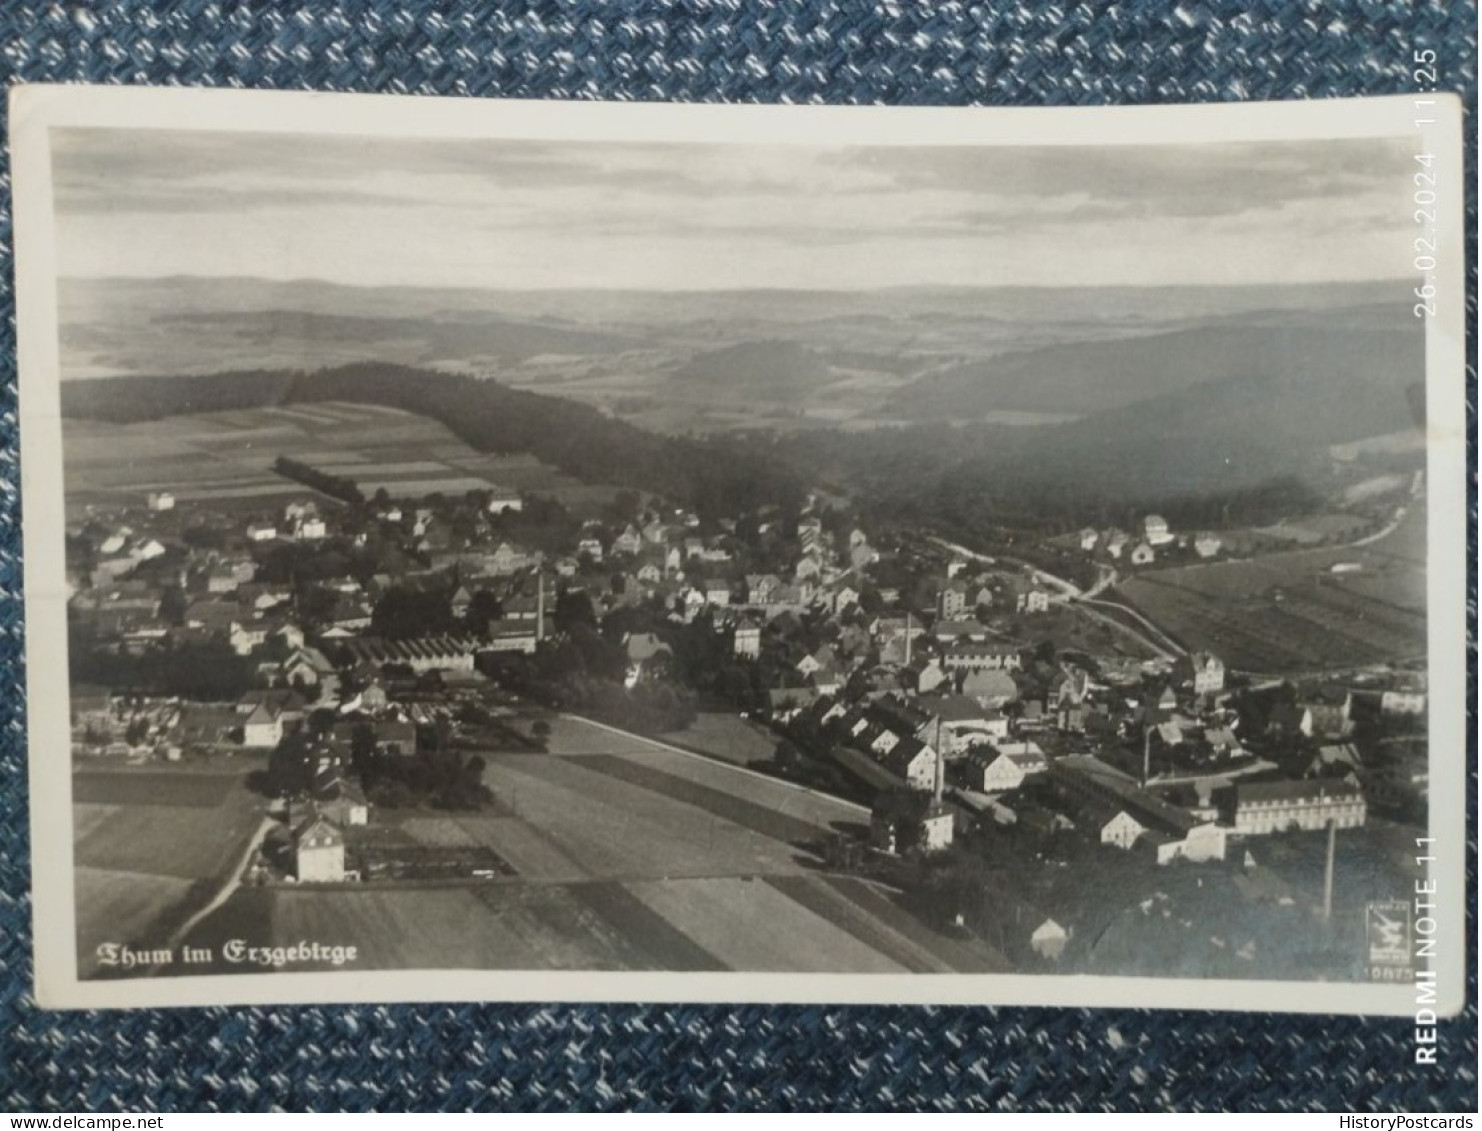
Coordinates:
35 110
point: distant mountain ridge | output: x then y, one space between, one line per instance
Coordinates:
1087 378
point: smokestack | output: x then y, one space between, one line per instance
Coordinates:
908 639
1327 879
1147 753
941 766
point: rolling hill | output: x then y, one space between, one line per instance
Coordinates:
1375 346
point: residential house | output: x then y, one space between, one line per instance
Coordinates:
160 501
914 762
508 559
309 667
844 597
1121 830
213 617
647 653
245 637
1155 530
319 851
990 687
828 681
961 722
1034 599
1142 554
761 588
1049 940
1335 760
459 602
1401 702
287 635
994 770
1089 537
263 728
952 600
902 820
261 531
503 500
964 630
1223 742
748 640
219 580
628 542
373 696
928 675
1118 808
1207 545
340 800
1206 670
92 706
311 529
1330 708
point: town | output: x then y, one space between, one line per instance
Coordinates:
1015 741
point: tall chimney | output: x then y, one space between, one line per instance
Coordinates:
1327 879
908 639
539 605
941 766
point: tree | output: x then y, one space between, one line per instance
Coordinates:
291 767
407 612
573 609
482 608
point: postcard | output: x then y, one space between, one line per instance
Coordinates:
503 550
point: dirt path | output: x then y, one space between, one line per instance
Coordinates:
227 889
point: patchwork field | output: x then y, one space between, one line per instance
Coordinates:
150 846
627 856
226 458
1293 611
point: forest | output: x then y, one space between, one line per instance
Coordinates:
1197 461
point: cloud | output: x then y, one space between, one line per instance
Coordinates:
538 213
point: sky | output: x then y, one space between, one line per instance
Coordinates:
541 215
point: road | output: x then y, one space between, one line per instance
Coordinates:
229 887
1068 592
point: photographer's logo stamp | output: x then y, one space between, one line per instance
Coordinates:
1388 928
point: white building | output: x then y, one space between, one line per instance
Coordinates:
1155 530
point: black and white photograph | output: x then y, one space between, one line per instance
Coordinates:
601 552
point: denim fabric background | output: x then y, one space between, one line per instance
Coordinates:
523 1057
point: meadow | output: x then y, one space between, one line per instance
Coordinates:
1291 612
626 855
150 846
